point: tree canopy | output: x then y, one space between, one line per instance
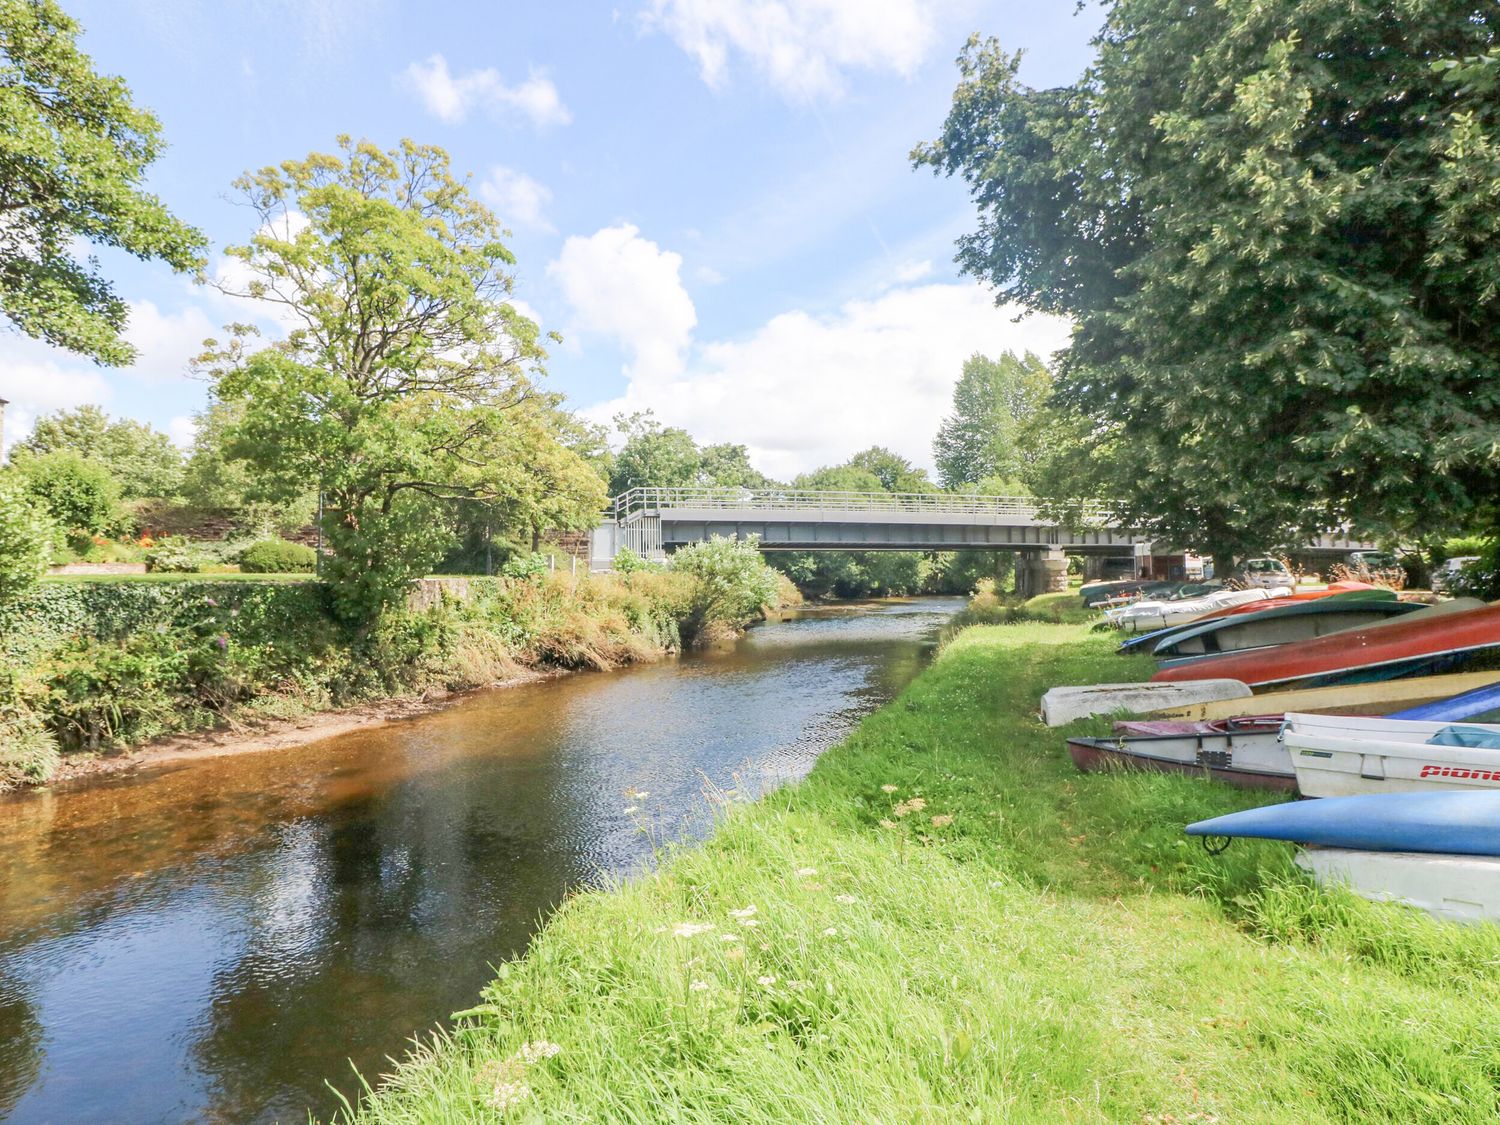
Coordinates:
1273 225
997 421
668 457
142 460
73 157
408 374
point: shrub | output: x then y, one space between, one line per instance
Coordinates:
532 565
25 539
277 556
731 583
79 494
28 751
175 555
628 562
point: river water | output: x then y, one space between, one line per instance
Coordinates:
220 940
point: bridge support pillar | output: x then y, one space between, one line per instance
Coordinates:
1041 572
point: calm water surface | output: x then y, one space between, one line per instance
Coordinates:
219 940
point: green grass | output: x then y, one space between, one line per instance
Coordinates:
1058 952
172 576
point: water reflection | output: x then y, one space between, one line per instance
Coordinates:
217 940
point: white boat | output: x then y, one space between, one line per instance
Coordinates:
1148 616
1064 704
1347 755
1458 888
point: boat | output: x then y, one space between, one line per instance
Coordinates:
1452 823
1146 616
1281 624
1439 852
1375 698
1343 755
1244 752
1455 888
1097 592
1432 638
1482 704
1064 704
1342 590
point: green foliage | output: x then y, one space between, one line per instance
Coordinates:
173 554
215 482
26 535
996 425
628 562
28 750
668 457
75 155
732 584
142 460
1274 228
277 556
79 494
398 384
531 565
894 472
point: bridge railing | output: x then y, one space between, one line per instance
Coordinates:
654 501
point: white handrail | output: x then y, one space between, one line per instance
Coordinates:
657 500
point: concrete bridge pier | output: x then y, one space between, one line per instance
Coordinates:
1041 572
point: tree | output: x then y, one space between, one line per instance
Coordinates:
80 495
143 460
214 481
25 538
75 152
997 420
1273 226
404 362
728 466
653 456
894 472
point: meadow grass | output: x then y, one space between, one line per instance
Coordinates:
946 923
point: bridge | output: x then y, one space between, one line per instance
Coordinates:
655 521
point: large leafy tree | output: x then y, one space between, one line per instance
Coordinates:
142 459
1273 225
404 364
653 455
994 430
73 156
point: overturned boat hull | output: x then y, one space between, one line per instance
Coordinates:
1455 888
1251 757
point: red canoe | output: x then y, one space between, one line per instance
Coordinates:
1394 648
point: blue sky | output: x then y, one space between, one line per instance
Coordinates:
711 199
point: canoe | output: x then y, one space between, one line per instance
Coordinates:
1419 642
1150 615
1243 753
1455 823
1377 698
1148 641
1343 755
1283 624
1475 706
1064 704
1455 888
1095 593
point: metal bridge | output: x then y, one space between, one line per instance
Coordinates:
654 521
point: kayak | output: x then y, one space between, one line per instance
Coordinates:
1410 645
1455 888
1452 823
1064 704
1342 755
1475 706
1246 753
1282 624
1376 698
1150 615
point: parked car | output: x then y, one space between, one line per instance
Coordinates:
1443 576
1375 566
1263 574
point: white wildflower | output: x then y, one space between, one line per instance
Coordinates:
765 982
729 937
507 1094
744 912
805 872
699 986
631 809
532 1053
830 932
847 900
691 929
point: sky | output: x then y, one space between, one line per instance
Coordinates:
711 200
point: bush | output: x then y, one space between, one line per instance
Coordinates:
732 583
628 562
277 556
25 539
79 494
525 566
28 750
175 555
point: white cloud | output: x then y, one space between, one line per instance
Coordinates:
166 341
516 198
36 381
913 271
805 390
182 430
628 289
803 47
451 97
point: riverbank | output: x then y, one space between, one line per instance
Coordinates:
945 922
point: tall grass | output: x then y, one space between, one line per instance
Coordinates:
946 923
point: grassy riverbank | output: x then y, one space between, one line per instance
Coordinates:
945 922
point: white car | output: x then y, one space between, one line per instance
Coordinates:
1443 576
1263 574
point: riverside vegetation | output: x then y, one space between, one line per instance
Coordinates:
93 666
946 922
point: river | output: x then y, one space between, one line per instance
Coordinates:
221 939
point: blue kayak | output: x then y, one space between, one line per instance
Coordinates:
1463 823
1470 705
